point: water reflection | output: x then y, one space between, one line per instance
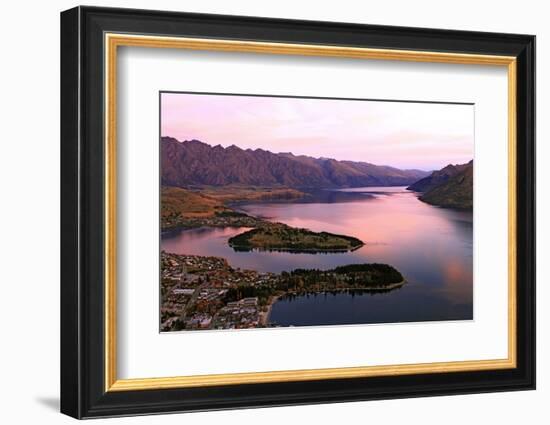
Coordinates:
431 246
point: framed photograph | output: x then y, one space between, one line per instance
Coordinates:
261 212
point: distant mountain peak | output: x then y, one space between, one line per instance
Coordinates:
438 177
454 192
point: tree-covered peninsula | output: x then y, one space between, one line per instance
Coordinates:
280 237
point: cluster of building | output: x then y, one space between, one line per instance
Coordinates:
194 292
240 314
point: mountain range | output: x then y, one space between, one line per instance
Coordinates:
193 162
450 187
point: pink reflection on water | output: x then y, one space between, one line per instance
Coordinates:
389 219
397 228
431 246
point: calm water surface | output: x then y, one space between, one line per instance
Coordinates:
430 246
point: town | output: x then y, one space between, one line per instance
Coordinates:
199 292
203 293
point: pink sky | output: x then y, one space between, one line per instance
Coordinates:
405 135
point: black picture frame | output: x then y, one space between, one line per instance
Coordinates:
83 392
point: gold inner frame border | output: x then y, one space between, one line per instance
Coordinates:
111 43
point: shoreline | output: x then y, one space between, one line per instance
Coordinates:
296 251
264 320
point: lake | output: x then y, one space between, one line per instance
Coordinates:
432 247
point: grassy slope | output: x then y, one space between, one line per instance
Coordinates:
206 206
208 201
176 201
250 193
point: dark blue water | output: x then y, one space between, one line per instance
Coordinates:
430 246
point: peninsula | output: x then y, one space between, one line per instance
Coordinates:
200 292
280 237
